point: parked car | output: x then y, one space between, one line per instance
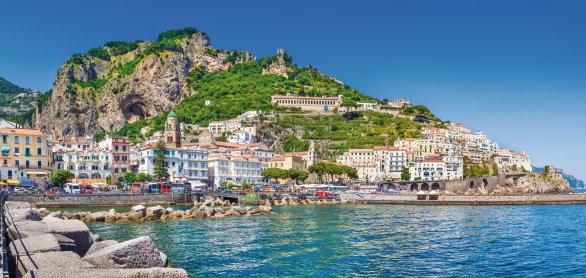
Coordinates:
72 188
10 190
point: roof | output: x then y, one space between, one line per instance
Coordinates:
360 150
172 114
385 148
278 158
236 145
21 131
432 160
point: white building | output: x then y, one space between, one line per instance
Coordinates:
510 159
428 170
92 163
240 137
186 164
377 164
235 169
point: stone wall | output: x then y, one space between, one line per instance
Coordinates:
487 184
122 199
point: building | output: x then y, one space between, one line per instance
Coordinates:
84 164
172 131
318 104
368 105
120 153
235 169
187 164
376 164
8 124
240 137
288 161
399 103
217 127
428 170
507 159
24 154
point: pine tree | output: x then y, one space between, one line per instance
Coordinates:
161 163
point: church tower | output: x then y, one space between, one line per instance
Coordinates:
173 131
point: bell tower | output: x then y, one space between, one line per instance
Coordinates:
172 131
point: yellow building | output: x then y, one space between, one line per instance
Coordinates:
287 162
24 154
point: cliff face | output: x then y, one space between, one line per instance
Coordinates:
104 93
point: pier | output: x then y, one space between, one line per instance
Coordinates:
424 199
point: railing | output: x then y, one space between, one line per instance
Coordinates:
5 272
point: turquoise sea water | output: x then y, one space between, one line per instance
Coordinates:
374 241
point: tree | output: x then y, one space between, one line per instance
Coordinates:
246 184
143 177
319 169
60 177
161 164
297 175
274 173
129 177
405 174
109 179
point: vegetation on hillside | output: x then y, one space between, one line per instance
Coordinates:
364 129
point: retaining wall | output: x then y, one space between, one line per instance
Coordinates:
120 199
467 200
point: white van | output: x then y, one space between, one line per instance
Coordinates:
72 188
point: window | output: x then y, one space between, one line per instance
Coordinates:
5 139
116 158
27 140
27 151
39 151
17 150
123 148
39 139
39 164
124 158
116 148
116 170
16 141
124 170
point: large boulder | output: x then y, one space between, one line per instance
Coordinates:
99 216
16 205
34 244
43 212
73 229
97 246
155 272
139 208
155 212
63 260
136 253
136 215
16 215
27 228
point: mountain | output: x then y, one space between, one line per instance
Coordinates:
15 101
573 181
124 86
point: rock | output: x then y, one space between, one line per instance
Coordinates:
62 260
155 272
199 214
265 209
34 244
137 253
99 216
164 259
16 215
43 212
169 210
65 243
24 229
155 212
67 215
97 246
9 205
136 215
56 214
139 208
95 237
73 229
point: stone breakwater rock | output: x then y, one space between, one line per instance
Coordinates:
136 253
73 229
10 205
62 260
52 247
155 212
156 272
16 215
34 244
139 208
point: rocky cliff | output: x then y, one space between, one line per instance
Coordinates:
122 82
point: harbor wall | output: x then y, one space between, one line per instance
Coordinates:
467 200
119 199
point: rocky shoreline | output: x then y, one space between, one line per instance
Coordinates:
45 244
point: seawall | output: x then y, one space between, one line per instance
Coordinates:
467 200
118 199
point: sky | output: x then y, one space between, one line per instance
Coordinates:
513 69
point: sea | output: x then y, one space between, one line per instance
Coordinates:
360 240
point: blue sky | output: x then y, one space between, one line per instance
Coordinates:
515 69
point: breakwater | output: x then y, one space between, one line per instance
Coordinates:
465 199
43 244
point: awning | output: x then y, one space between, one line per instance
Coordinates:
5 149
37 173
15 182
2 184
